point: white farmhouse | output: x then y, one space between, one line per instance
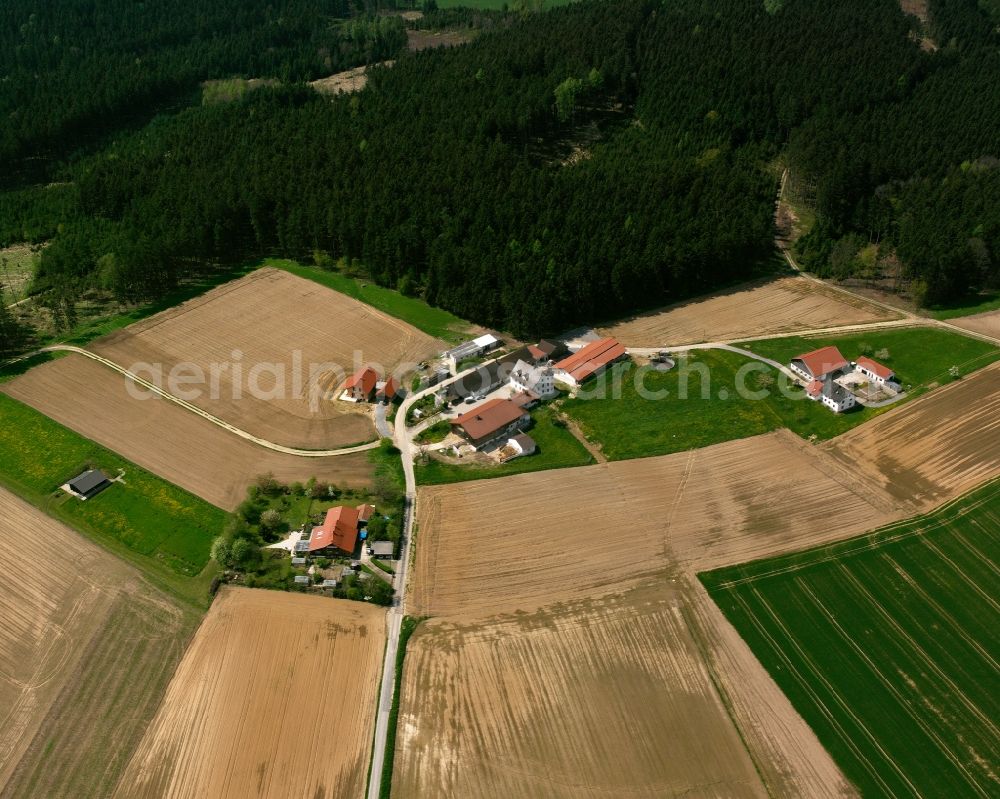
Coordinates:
877 373
537 380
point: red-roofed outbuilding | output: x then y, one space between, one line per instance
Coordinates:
875 371
590 360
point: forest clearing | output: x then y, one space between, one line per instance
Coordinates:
275 697
750 310
162 437
887 644
313 337
80 620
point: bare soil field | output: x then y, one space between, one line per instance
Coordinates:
275 697
84 638
350 80
986 323
931 450
752 310
583 700
609 526
285 336
162 437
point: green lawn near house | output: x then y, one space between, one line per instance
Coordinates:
557 449
920 356
162 529
644 412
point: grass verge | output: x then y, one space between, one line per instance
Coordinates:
882 643
434 322
410 623
160 528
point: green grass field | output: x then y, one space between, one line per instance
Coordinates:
920 356
889 647
557 449
630 425
433 321
154 524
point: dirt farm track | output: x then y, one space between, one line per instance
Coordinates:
76 630
271 317
163 437
275 697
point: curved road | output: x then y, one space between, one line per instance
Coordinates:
304 453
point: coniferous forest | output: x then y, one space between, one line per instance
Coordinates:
563 167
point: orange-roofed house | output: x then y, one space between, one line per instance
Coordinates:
826 362
388 391
360 387
339 531
491 421
876 372
590 360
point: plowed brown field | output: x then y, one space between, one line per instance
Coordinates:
273 317
83 639
782 305
603 527
986 323
930 451
161 436
582 701
275 697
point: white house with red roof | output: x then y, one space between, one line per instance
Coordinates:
360 387
876 372
819 364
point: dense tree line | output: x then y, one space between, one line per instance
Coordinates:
73 69
449 175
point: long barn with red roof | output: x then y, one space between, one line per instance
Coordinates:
590 360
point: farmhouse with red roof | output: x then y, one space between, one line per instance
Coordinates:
592 359
360 387
491 420
339 531
819 364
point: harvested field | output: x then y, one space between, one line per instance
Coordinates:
302 348
84 637
693 510
162 437
585 700
986 323
752 310
933 449
275 697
